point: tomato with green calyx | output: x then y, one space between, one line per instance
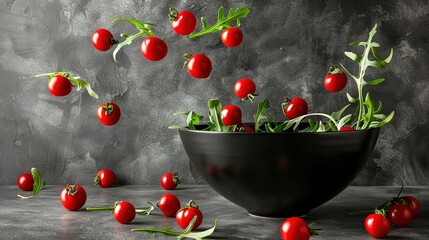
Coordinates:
124 212
231 115
295 108
73 197
400 214
102 39
105 178
185 215
59 86
245 89
169 181
377 224
109 113
183 22
336 80
169 205
198 65
25 182
232 37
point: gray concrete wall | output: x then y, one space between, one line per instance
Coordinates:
287 49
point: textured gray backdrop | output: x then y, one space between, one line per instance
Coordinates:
287 49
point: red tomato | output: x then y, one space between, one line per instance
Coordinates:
199 65
184 23
295 108
377 225
244 87
185 216
232 37
105 178
124 212
231 115
25 182
294 228
59 86
414 204
73 197
347 129
336 80
153 48
400 215
245 128
169 205
108 113
102 39
169 181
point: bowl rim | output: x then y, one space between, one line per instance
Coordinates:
187 129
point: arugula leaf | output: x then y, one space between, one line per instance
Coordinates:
215 108
337 115
186 233
74 80
38 185
385 121
193 119
263 106
222 21
147 211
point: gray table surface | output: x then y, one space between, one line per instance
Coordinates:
43 217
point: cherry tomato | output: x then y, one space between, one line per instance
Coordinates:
124 212
105 178
185 215
169 205
108 113
294 228
336 80
59 86
169 181
183 23
347 129
244 87
295 108
231 115
400 215
377 225
198 65
232 37
154 49
73 197
414 204
25 182
102 39
245 128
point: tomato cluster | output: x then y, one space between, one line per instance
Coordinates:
400 212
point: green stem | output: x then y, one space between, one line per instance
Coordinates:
165 231
320 114
100 208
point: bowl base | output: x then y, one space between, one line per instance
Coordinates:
277 215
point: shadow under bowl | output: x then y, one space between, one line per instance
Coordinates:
278 174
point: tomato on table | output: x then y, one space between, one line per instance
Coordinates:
400 215
109 113
377 225
25 182
73 197
105 178
169 205
232 37
170 180
124 212
59 86
185 215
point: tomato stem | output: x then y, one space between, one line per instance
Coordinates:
172 13
100 208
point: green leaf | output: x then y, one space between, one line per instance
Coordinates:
128 40
337 115
193 119
181 113
147 211
200 235
321 127
37 186
215 108
379 116
343 121
332 126
369 116
83 84
375 64
385 121
352 99
375 81
358 44
263 106
353 56
222 21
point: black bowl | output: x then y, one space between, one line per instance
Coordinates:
278 174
